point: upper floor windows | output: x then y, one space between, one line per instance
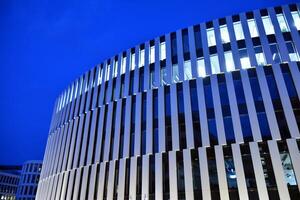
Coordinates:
282 23
115 68
259 55
268 25
107 72
187 70
211 37
252 28
245 61
142 58
123 65
132 61
162 50
238 30
224 34
292 52
296 17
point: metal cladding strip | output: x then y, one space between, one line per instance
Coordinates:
111 178
78 180
238 133
69 162
295 156
223 185
278 170
240 175
117 130
92 182
173 175
92 138
145 178
205 48
219 46
100 133
84 182
161 120
218 110
157 69
136 73
158 176
168 59
180 55
108 132
192 49
121 181
65 183
202 114
101 179
127 128
188 115
96 88
251 106
206 193
149 123
59 186
137 134
55 182
286 103
188 175
259 172
78 144
108 92
174 118
132 177
64 148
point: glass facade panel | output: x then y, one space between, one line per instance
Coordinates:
275 53
229 61
260 56
175 74
116 68
268 25
162 49
132 61
238 31
187 70
211 39
224 34
107 72
245 61
201 67
252 28
296 18
215 66
292 51
123 66
282 23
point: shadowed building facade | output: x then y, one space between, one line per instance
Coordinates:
210 111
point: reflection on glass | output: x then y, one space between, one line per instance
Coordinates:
152 54
187 70
296 18
275 53
211 37
201 67
289 175
252 28
245 61
162 49
214 61
163 76
230 173
260 57
224 34
142 58
238 31
268 25
175 73
292 52
229 61
282 23
107 72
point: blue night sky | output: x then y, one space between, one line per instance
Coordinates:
45 45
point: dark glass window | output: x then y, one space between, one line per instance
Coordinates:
155 121
122 128
168 119
213 174
180 175
181 117
144 110
195 113
230 172
151 177
196 174
166 184
132 126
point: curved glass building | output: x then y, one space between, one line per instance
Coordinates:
210 111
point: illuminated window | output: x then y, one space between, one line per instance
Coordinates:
132 62
187 70
215 66
238 31
224 34
282 23
142 58
229 61
296 18
162 52
201 67
123 66
152 54
268 25
292 52
211 37
252 28
245 61
259 55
